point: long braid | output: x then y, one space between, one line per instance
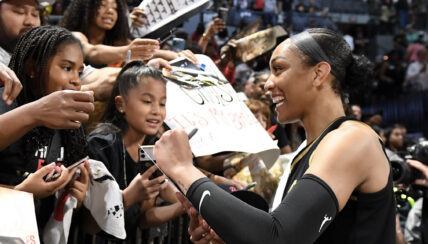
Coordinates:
30 63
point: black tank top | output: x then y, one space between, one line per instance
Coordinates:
367 218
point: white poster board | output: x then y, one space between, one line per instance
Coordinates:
17 217
162 14
225 123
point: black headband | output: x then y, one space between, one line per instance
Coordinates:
307 44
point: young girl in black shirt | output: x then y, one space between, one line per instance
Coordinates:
134 115
47 59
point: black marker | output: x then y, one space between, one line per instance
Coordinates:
192 133
171 34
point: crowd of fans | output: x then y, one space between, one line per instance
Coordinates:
87 48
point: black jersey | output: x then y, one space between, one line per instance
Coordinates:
366 218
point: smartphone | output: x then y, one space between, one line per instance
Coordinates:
248 187
178 44
81 161
146 156
70 167
223 13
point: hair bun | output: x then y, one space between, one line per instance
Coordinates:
359 76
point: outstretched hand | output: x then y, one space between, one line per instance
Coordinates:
200 232
63 109
143 188
36 184
143 48
422 168
11 84
172 152
189 55
159 63
138 17
215 26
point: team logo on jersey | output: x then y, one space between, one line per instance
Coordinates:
326 219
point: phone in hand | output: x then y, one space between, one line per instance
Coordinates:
248 187
146 156
178 44
223 13
70 167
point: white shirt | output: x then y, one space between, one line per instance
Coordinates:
270 5
286 160
4 57
415 77
350 40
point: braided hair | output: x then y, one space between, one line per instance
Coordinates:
31 55
80 15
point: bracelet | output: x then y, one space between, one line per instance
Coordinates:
205 36
209 175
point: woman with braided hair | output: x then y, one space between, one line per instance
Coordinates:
102 27
47 59
340 185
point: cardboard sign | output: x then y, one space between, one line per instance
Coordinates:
204 99
17 217
259 43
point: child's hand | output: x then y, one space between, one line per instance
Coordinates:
142 188
36 184
79 186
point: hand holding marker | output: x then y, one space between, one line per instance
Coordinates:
190 135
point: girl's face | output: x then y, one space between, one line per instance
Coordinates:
396 138
290 83
144 106
64 69
106 15
259 92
